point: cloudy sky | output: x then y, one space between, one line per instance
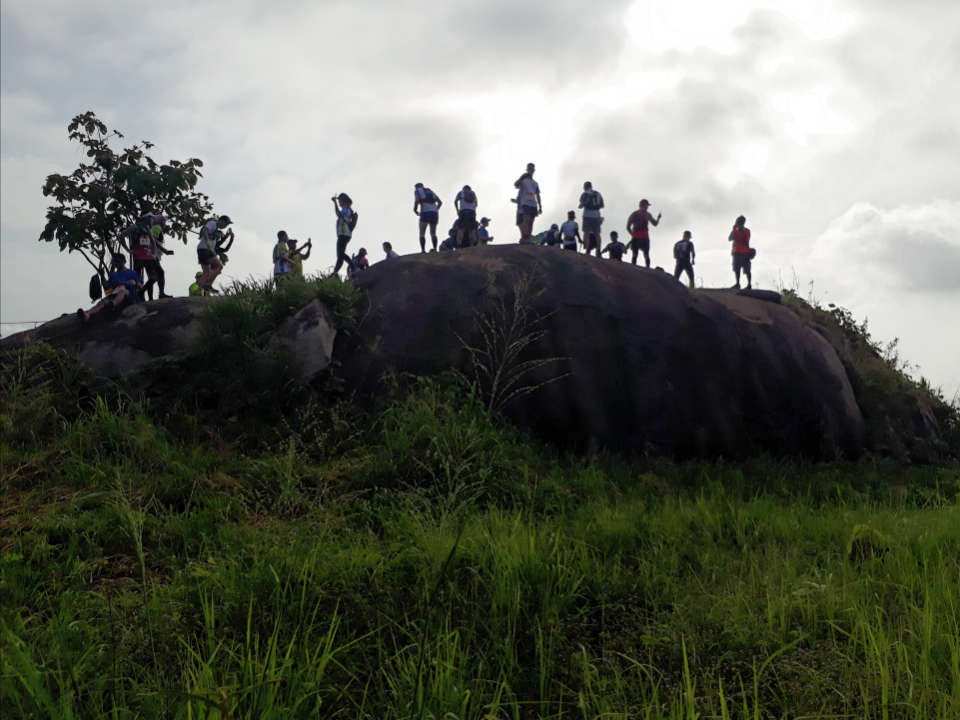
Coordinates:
833 126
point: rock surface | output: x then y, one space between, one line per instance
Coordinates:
646 364
310 335
633 360
118 344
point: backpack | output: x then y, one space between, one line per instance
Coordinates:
469 196
428 196
594 201
96 291
352 222
276 253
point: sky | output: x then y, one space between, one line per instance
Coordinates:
834 127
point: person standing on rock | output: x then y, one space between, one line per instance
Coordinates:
615 248
685 255
157 226
211 238
741 251
529 204
297 256
282 265
638 225
591 202
426 205
466 205
570 232
346 222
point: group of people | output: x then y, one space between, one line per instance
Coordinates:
145 240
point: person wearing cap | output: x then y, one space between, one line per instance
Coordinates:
741 251
211 239
591 202
426 205
122 286
570 232
483 235
529 204
466 205
638 225
552 236
615 248
346 222
685 255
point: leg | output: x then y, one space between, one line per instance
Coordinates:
635 250
423 239
161 280
689 271
433 234
342 258
746 270
736 271
677 270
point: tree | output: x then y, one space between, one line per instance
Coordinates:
101 199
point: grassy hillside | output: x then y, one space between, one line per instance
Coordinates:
186 545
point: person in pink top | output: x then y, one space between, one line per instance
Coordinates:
741 251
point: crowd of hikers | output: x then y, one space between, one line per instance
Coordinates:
121 285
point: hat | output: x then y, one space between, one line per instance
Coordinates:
418 185
554 227
225 219
484 220
645 202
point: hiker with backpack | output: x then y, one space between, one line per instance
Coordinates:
466 205
741 251
426 205
638 225
529 204
157 226
685 255
122 288
209 249
358 263
142 252
570 232
346 222
591 203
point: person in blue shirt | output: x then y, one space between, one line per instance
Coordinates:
122 286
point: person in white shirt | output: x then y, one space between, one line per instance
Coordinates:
210 238
529 204
426 205
570 232
388 251
466 205
591 201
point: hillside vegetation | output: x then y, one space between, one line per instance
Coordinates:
211 539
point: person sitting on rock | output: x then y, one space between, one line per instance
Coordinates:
388 250
483 235
122 288
358 264
552 238
570 232
195 289
741 251
615 248
685 255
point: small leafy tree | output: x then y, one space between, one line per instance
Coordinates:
101 199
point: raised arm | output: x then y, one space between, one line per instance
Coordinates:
654 220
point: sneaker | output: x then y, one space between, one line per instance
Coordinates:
164 295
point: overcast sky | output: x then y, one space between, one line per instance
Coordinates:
833 126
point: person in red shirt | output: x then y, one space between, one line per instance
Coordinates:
639 229
740 237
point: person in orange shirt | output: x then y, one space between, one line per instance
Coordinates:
742 254
638 225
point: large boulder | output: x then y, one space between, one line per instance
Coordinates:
638 362
309 334
114 344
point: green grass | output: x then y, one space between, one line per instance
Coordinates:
426 561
